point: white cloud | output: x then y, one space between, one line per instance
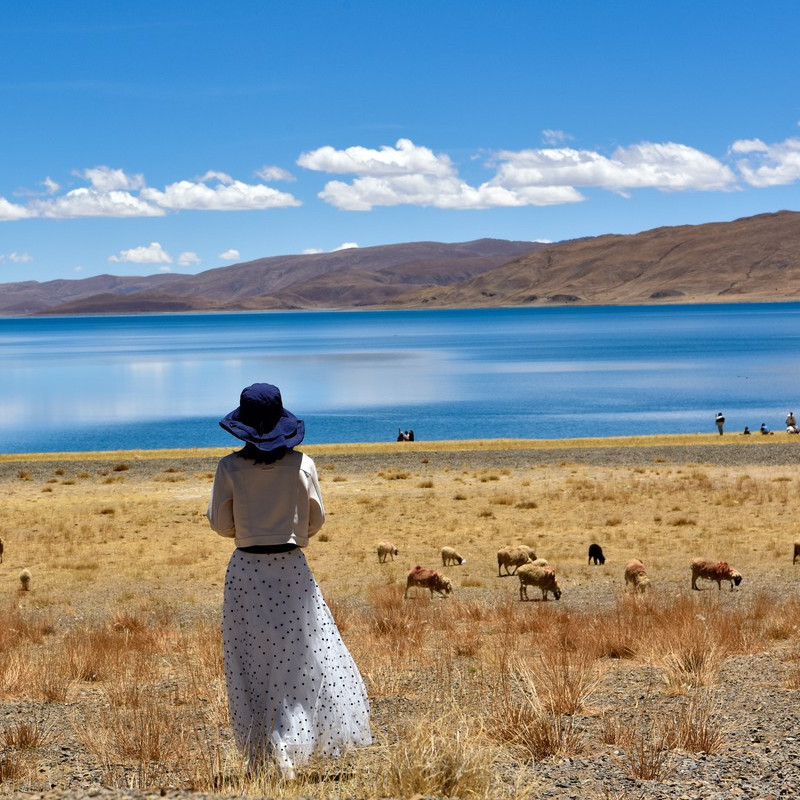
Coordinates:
78 269
403 159
549 136
187 259
106 179
267 173
51 187
768 164
153 253
89 202
11 211
20 258
312 251
347 246
668 167
230 255
223 196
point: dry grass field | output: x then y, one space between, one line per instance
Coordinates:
110 664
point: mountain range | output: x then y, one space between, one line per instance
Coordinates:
747 260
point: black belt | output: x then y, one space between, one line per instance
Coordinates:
269 548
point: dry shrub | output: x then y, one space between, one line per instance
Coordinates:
521 717
439 756
25 734
695 726
645 754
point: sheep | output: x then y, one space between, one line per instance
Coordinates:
543 577
513 557
386 550
2 547
794 558
636 575
428 579
714 571
540 562
596 554
25 580
450 556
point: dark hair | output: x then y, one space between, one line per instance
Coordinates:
259 456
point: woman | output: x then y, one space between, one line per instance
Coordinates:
293 688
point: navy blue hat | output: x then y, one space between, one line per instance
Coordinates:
262 420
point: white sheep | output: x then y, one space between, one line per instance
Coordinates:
636 575
543 577
513 557
540 562
25 580
386 550
450 556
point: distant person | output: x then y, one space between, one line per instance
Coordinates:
410 435
764 429
746 431
720 420
401 437
791 423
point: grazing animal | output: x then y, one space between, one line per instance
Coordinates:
25 580
2 547
794 558
540 562
428 579
386 550
513 557
636 575
543 577
596 554
714 571
450 556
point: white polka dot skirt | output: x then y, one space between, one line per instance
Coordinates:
293 688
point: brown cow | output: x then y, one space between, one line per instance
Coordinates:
714 571
428 579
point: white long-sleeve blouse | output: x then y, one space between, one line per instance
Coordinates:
266 504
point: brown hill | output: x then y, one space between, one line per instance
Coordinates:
747 260
343 279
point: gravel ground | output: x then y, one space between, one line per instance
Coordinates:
758 715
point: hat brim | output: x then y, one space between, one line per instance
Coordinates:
288 433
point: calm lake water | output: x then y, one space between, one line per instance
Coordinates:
101 383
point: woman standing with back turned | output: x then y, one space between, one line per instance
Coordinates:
293 688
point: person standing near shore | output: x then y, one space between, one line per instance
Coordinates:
720 420
293 688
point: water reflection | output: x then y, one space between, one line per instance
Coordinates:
360 375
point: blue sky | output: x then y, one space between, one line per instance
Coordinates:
180 136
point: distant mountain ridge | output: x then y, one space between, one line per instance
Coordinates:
747 260
354 277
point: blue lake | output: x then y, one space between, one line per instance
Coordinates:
120 382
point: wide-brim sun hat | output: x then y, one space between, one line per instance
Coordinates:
261 419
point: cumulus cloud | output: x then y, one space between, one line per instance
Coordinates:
187 259
16 258
765 165
153 253
267 173
106 179
11 211
668 167
225 194
91 202
115 193
230 255
347 246
408 174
